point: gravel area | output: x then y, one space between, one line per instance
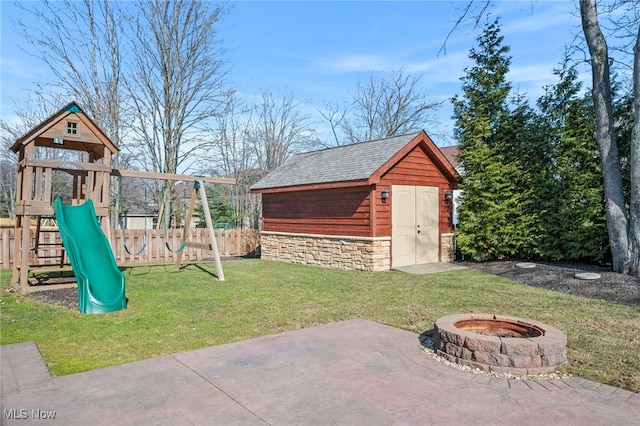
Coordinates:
428 348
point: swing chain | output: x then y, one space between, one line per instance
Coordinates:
124 214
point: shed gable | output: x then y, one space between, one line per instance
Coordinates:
417 167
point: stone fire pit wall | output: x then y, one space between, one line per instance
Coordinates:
514 355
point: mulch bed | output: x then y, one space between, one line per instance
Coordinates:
65 297
559 277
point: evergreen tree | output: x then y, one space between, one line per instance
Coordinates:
495 221
574 223
220 209
517 141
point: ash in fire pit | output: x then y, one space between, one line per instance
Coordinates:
500 344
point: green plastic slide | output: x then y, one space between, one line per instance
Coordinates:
100 282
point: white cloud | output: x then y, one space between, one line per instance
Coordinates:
443 69
532 73
539 17
352 63
16 68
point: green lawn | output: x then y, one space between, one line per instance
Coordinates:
173 311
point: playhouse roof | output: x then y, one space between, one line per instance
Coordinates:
349 165
51 134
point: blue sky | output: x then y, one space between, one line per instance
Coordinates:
321 49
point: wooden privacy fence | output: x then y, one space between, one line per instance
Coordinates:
231 242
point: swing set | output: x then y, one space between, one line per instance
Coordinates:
71 129
198 192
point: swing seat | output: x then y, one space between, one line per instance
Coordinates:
136 253
178 250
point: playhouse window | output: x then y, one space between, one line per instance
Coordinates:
72 128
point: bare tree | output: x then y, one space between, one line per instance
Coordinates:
80 43
8 169
229 139
279 129
176 83
234 156
335 117
174 78
623 219
177 79
247 142
384 107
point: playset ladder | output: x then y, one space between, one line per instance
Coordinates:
52 249
46 255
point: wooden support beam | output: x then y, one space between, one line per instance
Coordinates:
201 246
24 254
64 165
170 176
187 224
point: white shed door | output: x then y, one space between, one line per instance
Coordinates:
414 225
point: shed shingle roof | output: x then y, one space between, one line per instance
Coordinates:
349 165
452 153
343 163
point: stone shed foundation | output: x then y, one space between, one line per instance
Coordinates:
343 252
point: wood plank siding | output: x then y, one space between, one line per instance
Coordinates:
343 211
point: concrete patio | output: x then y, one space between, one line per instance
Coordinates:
349 373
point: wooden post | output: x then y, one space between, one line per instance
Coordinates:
199 188
24 254
212 235
187 224
17 253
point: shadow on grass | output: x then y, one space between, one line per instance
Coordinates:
145 269
53 278
198 266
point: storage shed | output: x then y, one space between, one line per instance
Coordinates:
368 206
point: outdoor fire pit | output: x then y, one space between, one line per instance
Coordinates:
500 344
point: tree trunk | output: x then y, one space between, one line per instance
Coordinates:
617 223
634 202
